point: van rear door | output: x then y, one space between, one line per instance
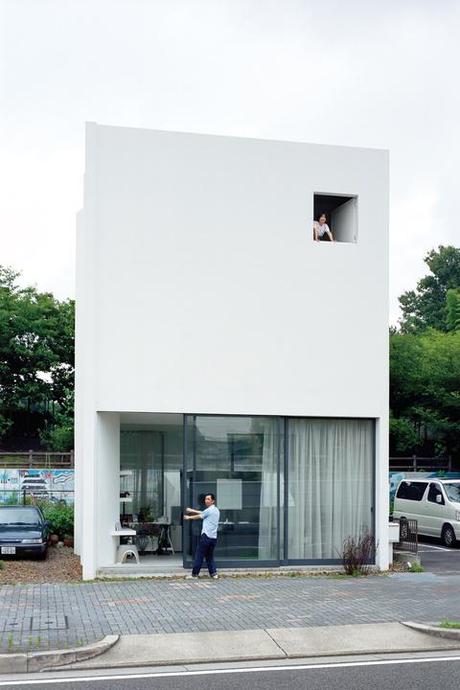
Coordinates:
410 502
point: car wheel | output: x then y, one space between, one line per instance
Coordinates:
448 536
403 530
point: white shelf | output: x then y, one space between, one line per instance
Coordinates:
124 533
125 499
126 473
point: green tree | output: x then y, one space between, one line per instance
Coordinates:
36 359
425 393
58 433
453 309
425 307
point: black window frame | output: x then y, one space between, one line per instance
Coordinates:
328 202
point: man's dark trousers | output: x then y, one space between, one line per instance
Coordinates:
205 549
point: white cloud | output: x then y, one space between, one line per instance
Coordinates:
413 224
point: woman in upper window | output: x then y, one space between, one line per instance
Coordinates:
321 228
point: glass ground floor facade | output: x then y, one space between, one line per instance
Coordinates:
290 490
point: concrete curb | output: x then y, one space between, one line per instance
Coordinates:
115 651
185 661
178 649
40 661
435 630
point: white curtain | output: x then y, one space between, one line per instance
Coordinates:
268 512
330 485
140 452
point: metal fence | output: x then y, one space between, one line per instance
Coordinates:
414 463
33 459
408 535
42 460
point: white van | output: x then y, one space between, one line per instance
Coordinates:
434 503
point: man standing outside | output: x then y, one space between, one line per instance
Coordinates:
208 538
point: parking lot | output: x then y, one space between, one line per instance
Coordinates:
437 558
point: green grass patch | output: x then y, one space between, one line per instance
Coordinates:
450 624
416 568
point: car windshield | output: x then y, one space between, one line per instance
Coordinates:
19 516
453 492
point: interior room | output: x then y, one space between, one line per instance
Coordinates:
151 461
341 215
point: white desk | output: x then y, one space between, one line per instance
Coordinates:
125 532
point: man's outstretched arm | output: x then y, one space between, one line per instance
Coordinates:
193 517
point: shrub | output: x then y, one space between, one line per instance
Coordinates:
358 554
60 438
61 518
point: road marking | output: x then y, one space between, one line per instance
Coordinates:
439 548
228 671
430 551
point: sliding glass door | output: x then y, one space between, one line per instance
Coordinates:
238 460
289 490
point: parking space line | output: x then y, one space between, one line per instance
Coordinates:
434 551
439 548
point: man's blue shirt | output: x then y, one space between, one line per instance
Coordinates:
210 521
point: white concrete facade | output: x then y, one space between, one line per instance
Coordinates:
200 290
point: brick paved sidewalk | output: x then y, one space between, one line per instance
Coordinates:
44 616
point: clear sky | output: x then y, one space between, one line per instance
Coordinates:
357 73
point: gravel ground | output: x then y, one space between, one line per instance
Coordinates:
62 565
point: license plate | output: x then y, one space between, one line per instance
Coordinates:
11 550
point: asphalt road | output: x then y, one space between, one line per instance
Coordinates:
437 558
412 674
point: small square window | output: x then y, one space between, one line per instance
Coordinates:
341 217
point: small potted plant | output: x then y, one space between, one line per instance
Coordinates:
68 540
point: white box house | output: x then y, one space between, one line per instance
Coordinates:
221 349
